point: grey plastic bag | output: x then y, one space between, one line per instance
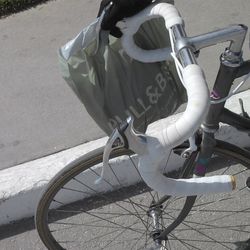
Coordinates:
113 86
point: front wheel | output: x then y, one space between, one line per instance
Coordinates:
123 213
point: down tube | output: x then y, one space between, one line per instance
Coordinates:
238 121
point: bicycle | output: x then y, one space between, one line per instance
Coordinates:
126 212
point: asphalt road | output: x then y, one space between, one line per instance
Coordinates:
40 114
218 222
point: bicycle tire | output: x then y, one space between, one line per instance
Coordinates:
83 163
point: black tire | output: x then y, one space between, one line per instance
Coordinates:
135 197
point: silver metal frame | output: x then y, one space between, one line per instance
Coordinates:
186 46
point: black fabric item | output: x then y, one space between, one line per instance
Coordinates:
119 10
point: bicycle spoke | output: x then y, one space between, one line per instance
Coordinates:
207 204
204 241
133 205
75 190
171 201
223 217
203 234
115 236
210 238
99 237
104 197
206 226
184 243
89 225
139 238
139 174
131 202
119 215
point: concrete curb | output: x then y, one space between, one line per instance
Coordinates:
20 186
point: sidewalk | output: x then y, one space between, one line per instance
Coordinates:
41 116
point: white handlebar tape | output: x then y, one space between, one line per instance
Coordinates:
196 110
174 135
185 187
151 149
131 25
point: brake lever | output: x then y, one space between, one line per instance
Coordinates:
115 141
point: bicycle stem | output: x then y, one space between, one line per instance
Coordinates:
235 34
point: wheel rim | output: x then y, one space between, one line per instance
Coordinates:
209 225
134 231
137 225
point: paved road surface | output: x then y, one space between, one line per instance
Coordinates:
39 113
211 224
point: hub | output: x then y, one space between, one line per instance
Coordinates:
155 212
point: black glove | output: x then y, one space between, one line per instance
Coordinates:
119 10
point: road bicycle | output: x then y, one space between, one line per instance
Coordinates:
101 200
